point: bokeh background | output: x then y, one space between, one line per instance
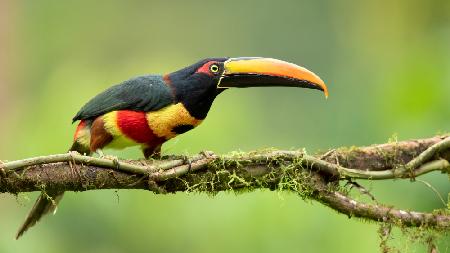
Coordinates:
386 64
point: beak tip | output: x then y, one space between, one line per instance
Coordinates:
324 88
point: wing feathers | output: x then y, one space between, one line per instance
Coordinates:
143 93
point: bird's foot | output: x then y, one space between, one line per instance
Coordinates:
156 156
103 156
172 157
114 159
116 163
208 154
100 153
187 160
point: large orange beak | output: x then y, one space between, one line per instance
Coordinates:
263 72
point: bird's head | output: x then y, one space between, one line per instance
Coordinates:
200 83
244 72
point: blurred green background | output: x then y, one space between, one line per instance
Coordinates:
386 64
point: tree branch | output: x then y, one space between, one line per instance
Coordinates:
314 177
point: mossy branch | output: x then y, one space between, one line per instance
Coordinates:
315 177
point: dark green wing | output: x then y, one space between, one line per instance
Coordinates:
143 93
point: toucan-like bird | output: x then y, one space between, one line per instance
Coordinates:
149 110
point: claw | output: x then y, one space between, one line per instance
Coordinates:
188 161
100 153
116 163
207 154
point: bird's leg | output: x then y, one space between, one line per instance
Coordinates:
152 152
114 159
116 162
72 162
187 160
207 154
100 153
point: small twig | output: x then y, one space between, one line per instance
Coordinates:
357 173
88 160
360 188
153 186
434 190
75 157
432 246
385 233
351 207
428 154
415 167
439 165
141 179
329 152
180 170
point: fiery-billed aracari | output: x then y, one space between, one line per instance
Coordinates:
151 109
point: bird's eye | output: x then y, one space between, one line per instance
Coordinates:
214 68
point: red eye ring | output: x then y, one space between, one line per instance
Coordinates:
210 68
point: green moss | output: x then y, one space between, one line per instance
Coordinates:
393 138
282 176
396 237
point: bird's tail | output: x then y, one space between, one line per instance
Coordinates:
45 203
48 202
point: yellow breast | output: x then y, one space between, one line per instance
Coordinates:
162 122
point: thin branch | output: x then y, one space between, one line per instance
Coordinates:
402 172
434 190
89 160
351 207
428 154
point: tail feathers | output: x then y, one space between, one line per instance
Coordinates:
46 203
